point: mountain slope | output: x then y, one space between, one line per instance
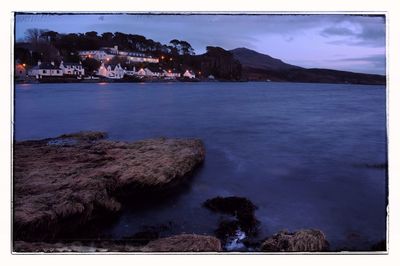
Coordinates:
257 66
252 59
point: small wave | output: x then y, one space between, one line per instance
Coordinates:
235 243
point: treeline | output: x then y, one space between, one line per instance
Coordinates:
47 45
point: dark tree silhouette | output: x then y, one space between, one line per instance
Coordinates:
90 65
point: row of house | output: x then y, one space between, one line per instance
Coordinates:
46 69
107 70
108 53
116 71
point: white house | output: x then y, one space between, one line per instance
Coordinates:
156 70
145 72
108 53
45 70
33 72
130 71
189 74
74 69
100 55
111 71
134 57
171 75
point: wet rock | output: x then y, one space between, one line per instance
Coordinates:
179 243
301 241
230 205
85 135
98 246
184 243
241 208
226 229
60 188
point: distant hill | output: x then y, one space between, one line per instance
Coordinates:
258 66
252 59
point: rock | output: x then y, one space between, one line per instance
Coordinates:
178 243
22 246
184 243
308 240
226 229
98 246
86 135
230 205
241 208
63 183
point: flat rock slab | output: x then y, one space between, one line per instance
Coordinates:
178 243
184 243
307 240
66 181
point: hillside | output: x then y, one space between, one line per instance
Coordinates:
252 59
261 67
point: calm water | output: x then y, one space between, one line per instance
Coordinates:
297 151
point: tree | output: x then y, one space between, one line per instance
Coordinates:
182 47
23 55
176 47
91 34
220 63
33 35
117 60
107 38
186 48
90 65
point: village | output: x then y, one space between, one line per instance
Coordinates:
114 65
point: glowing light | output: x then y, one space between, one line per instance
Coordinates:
169 71
170 59
162 57
24 65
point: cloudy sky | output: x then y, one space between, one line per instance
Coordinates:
343 42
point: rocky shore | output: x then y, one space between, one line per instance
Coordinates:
178 243
64 183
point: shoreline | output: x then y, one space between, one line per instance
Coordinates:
47 181
18 82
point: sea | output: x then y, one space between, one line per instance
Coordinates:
307 155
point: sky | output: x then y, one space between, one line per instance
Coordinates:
334 41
